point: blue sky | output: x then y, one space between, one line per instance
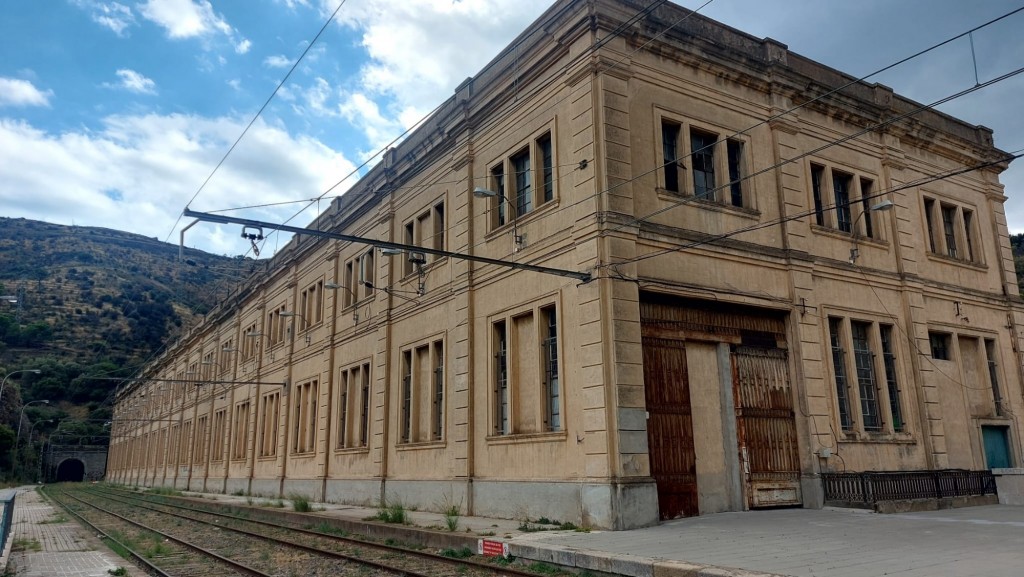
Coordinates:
113 113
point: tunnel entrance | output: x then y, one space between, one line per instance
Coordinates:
71 470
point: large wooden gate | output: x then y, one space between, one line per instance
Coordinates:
670 427
765 426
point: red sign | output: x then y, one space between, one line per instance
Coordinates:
489 548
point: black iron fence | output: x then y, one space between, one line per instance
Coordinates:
872 487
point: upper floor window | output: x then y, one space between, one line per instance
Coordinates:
940 344
951 230
359 276
717 167
311 303
842 201
426 230
523 181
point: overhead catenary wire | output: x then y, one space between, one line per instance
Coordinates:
760 123
523 98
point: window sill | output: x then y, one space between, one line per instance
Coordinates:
878 438
859 239
955 261
303 455
714 205
421 445
267 458
498 231
519 438
351 450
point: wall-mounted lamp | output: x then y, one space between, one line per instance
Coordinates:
880 207
517 239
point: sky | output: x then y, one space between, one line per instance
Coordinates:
115 113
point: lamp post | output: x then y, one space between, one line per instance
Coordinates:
880 207
481 192
17 438
11 374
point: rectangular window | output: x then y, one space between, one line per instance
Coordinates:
864 359
865 205
993 376
841 186
241 440
406 390
940 345
185 445
734 149
547 168
889 361
949 230
817 177
426 230
929 216
367 273
839 366
498 186
969 233
501 379
437 240
522 179
311 304
349 295
670 154
200 450
350 402
702 158
437 409
271 421
552 391
305 399
219 427
364 416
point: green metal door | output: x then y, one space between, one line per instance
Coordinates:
997 447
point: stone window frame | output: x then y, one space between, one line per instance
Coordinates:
544 181
410 389
357 399
305 414
687 127
864 224
431 217
887 429
966 235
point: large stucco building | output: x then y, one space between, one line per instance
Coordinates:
785 282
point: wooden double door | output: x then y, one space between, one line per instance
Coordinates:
762 401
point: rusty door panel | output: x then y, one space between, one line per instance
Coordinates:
670 427
766 427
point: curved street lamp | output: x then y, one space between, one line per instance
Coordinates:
17 438
11 374
481 192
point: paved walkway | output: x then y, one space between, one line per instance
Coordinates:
47 544
973 541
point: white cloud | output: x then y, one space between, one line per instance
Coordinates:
112 15
420 50
277 61
184 18
16 92
243 46
137 172
134 82
235 83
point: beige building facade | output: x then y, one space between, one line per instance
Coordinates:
778 280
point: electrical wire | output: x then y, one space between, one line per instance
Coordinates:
259 112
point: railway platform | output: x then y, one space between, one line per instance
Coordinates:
46 543
977 541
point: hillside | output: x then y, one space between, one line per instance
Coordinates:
90 302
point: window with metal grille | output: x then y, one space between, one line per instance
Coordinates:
501 379
670 154
993 376
940 345
522 179
702 159
437 410
406 432
949 229
867 386
841 188
364 416
552 392
734 150
839 367
889 361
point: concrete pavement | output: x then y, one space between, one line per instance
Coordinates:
48 544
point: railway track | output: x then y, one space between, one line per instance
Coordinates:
322 553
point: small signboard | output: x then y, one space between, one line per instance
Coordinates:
489 548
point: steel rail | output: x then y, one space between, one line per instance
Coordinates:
242 568
276 540
503 570
137 557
